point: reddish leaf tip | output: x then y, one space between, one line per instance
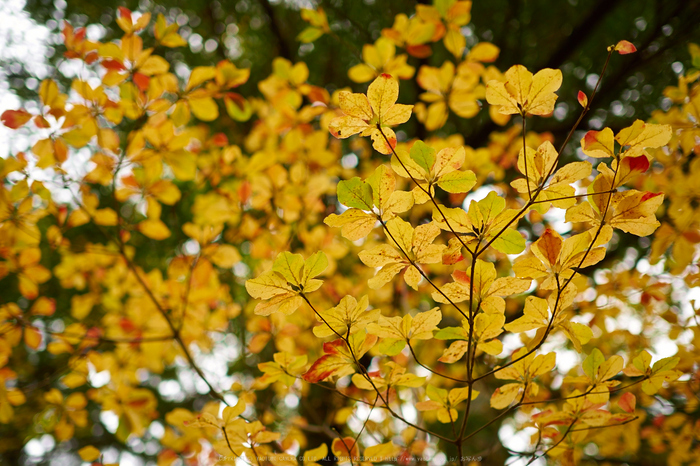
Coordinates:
591 137
125 13
648 196
640 163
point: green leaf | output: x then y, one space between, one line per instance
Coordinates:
309 34
510 242
665 364
238 108
390 347
442 6
375 181
592 363
451 333
423 155
436 394
491 206
458 181
355 193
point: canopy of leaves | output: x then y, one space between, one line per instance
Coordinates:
244 232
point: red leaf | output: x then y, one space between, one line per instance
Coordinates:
91 57
127 325
15 118
115 65
640 163
93 336
141 81
624 47
582 99
80 34
219 139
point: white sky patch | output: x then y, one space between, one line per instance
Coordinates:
556 219
480 194
21 40
517 441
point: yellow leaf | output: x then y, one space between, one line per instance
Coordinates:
106 217
454 352
290 266
199 75
32 337
484 52
385 275
361 73
424 323
354 223
348 316
225 256
642 135
154 65
267 285
598 143
382 95
317 454
455 42
108 139
505 395
204 108
154 229
81 305
184 166
89 453
372 115
524 93
382 452
536 315
44 149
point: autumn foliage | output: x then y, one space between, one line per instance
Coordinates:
320 285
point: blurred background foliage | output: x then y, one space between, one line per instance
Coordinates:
571 35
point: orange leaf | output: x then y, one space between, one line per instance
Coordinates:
15 118
346 449
627 402
624 47
43 307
